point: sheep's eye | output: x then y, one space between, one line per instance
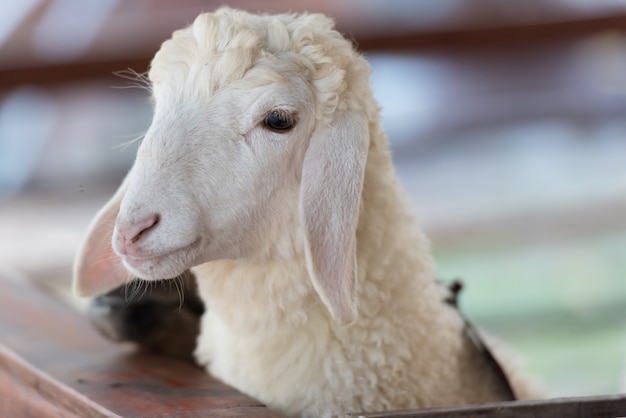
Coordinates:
278 121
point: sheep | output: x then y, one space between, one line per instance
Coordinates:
163 318
266 172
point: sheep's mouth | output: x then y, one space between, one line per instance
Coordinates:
161 265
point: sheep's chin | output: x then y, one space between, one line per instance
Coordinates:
161 266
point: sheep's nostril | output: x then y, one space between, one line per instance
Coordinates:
137 230
129 233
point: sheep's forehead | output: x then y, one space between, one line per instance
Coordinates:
219 48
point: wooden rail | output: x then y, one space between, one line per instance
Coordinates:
53 364
591 407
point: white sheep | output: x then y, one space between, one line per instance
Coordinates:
266 171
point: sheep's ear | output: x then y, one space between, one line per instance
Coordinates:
97 269
330 196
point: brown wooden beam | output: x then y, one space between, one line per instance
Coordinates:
75 72
591 407
497 35
411 42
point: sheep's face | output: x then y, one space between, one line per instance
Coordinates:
214 174
257 151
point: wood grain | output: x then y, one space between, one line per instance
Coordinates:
591 407
53 364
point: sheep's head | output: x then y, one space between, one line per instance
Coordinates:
257 120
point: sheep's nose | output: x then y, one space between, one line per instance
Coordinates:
129 234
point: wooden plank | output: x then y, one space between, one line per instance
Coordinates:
53 364
591 407
27 391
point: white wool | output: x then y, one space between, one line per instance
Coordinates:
319 284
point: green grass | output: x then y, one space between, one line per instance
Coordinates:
576 363
561 306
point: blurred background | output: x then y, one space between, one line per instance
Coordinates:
507 121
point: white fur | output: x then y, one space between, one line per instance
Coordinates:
319 284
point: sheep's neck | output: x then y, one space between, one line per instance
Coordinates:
395 249
252 295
